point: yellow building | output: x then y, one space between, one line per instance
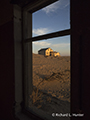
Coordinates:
54 53
48 52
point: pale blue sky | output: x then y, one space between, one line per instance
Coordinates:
52 18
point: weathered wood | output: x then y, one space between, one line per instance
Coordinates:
27 57
37 5
51 35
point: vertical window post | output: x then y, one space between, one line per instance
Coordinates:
27 33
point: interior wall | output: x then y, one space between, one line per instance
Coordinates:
6 61
80 45
18 57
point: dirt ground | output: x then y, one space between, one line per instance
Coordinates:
52 78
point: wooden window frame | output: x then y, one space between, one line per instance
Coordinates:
27 40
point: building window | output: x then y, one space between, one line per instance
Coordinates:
35 97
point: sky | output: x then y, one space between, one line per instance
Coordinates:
53 18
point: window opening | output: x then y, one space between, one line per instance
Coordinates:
53 18
42 101
51 76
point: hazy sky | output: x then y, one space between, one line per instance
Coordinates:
52 18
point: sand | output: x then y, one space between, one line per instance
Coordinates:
52 78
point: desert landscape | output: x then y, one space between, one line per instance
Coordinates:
51 86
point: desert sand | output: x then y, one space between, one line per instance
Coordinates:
51 75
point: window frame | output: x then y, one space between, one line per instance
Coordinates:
27 40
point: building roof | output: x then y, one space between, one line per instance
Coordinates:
44 48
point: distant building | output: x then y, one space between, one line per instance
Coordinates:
48 52
54 53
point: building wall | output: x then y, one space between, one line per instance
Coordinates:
7 78
57 54
18 57
10 61
50 49
47 52
42 52
80 62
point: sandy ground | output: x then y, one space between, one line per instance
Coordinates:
52 77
